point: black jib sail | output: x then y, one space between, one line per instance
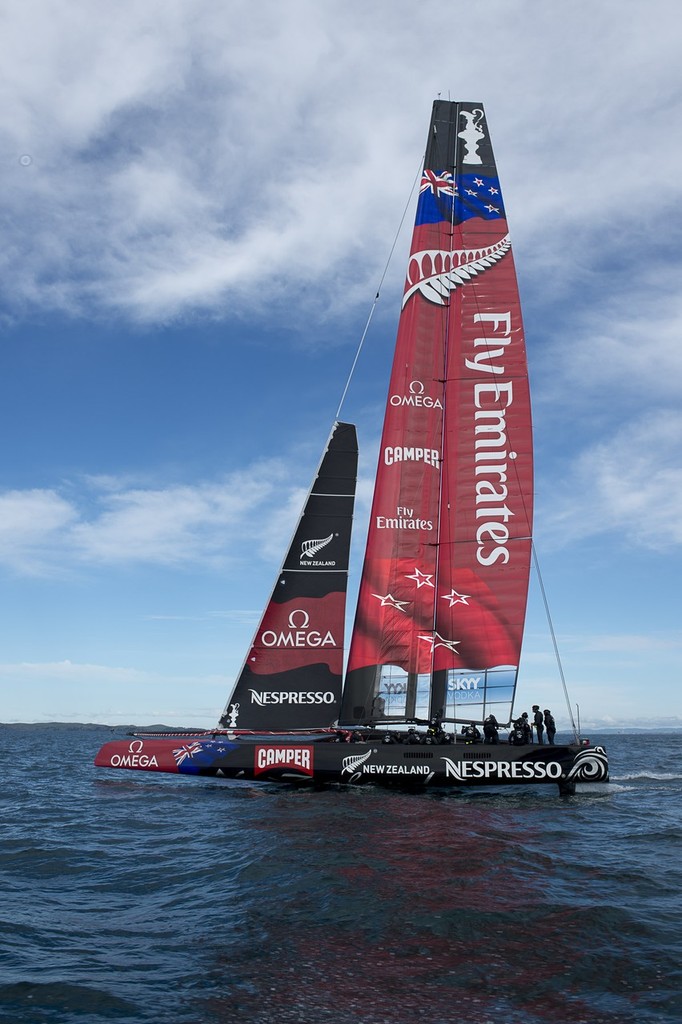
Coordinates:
291 677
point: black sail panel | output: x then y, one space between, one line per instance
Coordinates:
291 678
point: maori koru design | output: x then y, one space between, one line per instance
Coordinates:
590 765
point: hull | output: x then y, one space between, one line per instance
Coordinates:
332 760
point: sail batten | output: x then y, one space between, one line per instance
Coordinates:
443 591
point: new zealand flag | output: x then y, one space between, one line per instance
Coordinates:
442 197
192 756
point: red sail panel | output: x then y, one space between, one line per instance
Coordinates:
397 595
446 568
485 540
291 678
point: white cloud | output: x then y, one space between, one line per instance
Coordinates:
169 526
30 523
114 523
618 353
194 155
630 482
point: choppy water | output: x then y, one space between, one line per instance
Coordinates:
132 898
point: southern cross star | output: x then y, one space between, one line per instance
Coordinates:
439 641
422 579
389 601
454 598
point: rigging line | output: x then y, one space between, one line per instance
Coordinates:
536 563
378 292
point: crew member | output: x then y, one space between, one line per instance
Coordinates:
471 733
527 730
490 727
517 733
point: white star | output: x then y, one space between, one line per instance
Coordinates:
493 191
470 192
478 181
391 602
492 209
422 579
454 598
439 641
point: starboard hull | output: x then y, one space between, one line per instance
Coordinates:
398 765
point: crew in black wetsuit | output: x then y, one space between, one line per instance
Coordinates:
517 733
490 727
539 721
471 733
435 732
527 730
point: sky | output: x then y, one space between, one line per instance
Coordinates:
199 199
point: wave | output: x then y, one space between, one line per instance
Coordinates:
653 776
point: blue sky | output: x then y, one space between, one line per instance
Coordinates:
199 199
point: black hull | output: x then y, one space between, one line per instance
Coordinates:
330 761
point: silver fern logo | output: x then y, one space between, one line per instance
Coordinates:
351 763
311 548
436 273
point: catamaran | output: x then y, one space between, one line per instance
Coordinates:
436 643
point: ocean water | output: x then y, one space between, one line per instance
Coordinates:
131 897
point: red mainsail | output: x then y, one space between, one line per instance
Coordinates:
444 586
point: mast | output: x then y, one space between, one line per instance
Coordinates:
444 586
291 677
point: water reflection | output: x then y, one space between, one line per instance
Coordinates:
386 906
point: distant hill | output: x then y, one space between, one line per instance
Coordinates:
96 725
